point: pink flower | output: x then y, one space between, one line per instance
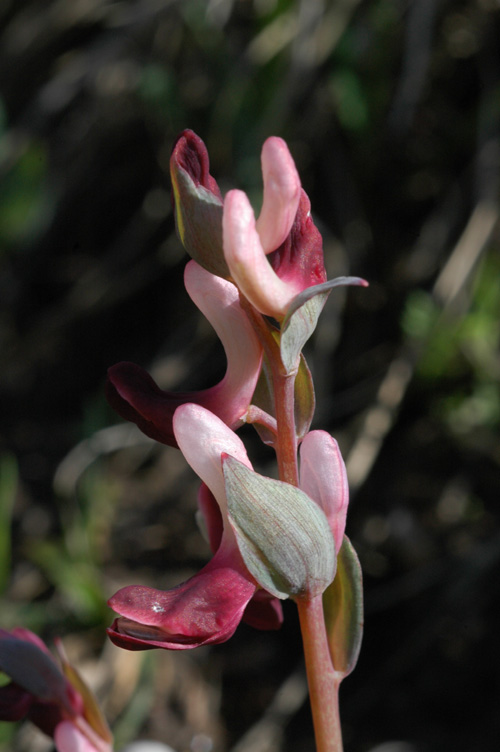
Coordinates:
56 701
207 608
135 396
224 237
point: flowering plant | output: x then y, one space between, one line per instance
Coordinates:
262 284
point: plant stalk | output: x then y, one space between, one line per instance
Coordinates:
321 677
286 440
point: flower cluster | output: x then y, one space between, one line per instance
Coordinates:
262 284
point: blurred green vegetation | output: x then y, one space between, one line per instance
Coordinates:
460 351
391 112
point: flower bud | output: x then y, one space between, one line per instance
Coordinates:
198 203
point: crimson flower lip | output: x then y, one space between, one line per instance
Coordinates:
204 610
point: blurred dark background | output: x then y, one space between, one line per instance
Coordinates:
391 109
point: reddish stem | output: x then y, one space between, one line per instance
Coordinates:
286 441
322 679
321 676
284 404
255 415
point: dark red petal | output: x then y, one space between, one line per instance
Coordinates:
135 396
46 716
264 611
206 609
190 154
300 257
14 702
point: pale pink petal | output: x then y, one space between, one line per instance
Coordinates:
247 261
281 194
323 478
202 438
218 300
68 738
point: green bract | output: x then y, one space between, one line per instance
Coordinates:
343 605
283 536
302 317
198 220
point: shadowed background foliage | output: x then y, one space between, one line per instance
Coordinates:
391 110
